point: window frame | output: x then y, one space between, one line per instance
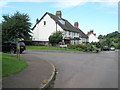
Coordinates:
44 23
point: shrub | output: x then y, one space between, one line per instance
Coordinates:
56 38
85 47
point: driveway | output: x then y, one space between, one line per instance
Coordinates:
82 70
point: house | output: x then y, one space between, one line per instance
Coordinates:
92 37
102 40
50 23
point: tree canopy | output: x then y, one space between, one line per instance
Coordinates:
55 38
111 39
115 34
16 26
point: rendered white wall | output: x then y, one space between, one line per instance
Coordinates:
42 32
71 34
92 38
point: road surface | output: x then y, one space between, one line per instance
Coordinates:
83 70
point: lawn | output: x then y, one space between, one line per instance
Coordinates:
50 48
11 64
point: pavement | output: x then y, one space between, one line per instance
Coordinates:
37 72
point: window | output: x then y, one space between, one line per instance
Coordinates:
65 32
69 33
44 22
62 21
74 33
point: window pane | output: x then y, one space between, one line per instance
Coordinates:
44 22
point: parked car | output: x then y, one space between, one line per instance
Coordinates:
63 46
105 48
112 48
11 47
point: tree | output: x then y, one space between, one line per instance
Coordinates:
16 26
112 35
101 37
56 37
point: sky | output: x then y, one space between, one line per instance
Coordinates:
98 15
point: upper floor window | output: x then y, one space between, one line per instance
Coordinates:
44 22
62 21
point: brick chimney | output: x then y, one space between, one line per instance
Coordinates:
76 24
59 14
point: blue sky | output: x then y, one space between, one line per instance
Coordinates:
102 17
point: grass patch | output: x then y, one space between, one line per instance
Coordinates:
50 48
11 64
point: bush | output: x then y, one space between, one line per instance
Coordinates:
85 47
56 38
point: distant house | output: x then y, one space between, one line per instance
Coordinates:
92 37
102 40
50 23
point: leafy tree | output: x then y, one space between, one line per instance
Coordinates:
56 37
112 39
16 26
112 35
101 37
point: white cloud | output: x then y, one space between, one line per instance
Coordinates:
70 3
3 4
64 3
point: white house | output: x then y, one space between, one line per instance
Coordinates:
50 23
92 37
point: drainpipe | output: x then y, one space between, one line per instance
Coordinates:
56 26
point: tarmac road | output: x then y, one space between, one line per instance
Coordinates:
83 70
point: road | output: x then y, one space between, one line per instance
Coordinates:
82 70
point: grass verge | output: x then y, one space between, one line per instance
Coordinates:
50 48
11 64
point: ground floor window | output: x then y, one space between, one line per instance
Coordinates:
72 41
67 41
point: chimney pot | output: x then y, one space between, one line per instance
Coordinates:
76 24
91 31
37 20
59 14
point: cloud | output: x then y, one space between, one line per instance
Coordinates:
64 3
3 4
71 3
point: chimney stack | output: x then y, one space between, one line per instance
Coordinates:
76 24
59 14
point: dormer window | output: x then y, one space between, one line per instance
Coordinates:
62 21
44 22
